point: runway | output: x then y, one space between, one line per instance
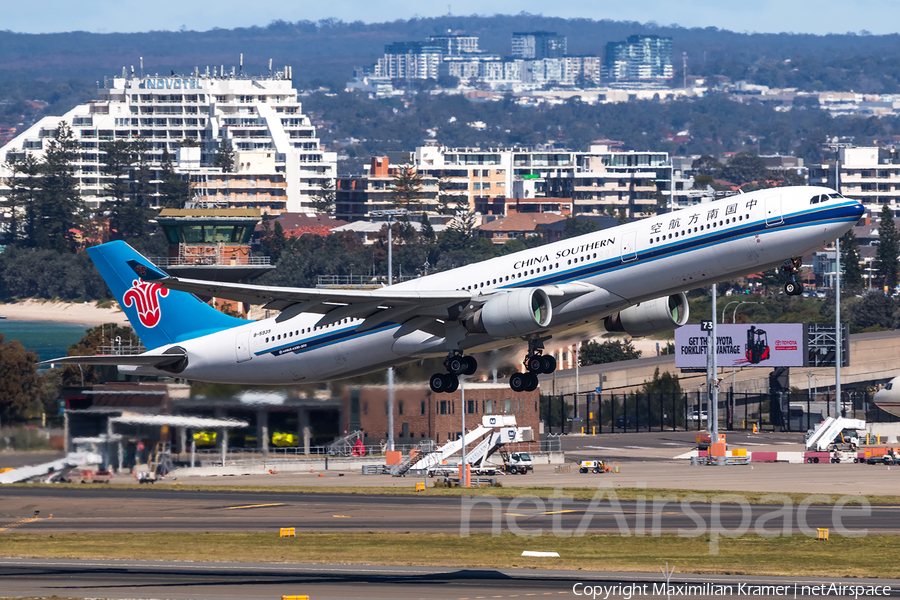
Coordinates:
107 509
226 581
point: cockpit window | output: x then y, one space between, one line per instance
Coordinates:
889 386
816 199
835 196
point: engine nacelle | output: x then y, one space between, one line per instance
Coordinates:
519 312
650 317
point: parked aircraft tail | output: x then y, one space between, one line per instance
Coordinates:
158 315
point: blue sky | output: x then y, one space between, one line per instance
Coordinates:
798 16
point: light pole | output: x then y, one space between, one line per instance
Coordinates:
837 289
390 214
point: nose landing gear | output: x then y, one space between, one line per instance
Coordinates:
792 268
456 365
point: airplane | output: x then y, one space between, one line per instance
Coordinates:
633 277
888 397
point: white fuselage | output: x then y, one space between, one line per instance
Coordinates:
631 263
888 398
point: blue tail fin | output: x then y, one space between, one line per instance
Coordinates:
158 315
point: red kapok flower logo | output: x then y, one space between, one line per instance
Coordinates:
145 297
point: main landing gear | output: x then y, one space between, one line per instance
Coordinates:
792 268
456 365
535 363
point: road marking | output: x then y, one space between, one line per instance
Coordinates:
341 517
253 506
599 448
557 512
639 447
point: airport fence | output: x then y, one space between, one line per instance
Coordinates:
686 411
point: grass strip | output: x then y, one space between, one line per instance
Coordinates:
746 555
500 492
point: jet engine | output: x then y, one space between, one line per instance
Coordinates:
650 317
511 314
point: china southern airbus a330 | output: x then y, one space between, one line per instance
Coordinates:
633 277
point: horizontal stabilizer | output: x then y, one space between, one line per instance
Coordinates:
136 360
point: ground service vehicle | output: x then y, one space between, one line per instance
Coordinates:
594 466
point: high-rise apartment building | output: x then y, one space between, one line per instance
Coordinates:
537 45
410 60
260 116
640 58
870 175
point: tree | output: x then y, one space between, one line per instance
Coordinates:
60 205
24 185
593 353
407 187
20 384
852 277
575 227
323 200
117 160
707 165
886 261
464 222
427 231
745 167
448 202
174 191
666 383
224 156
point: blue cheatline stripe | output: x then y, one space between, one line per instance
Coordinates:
832 214
341 335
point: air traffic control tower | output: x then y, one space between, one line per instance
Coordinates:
212 244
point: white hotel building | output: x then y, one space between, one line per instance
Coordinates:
261 116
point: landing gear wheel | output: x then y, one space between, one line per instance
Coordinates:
452 384
792 288
471 365
456 364
548 364
534 364
438 383
518 381
532 382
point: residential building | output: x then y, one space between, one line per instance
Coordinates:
258 115
870 175
537 45
640 58
356 196
516 226
410 60
255 183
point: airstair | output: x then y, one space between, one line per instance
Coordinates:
828 430
495 429
52 470
344 446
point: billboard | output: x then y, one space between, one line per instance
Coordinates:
742 345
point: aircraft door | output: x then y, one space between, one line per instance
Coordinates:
773 211
242 346
629 246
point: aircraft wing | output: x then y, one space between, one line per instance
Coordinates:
137 360
426 310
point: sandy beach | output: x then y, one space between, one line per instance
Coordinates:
63 312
